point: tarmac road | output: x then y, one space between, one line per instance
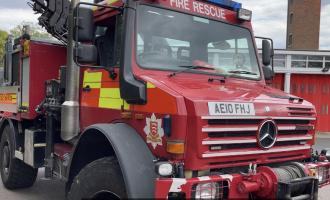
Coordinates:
54 190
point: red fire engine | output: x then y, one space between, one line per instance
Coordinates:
153 99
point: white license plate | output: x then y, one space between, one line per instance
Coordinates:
230 109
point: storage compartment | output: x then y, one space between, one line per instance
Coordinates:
34 151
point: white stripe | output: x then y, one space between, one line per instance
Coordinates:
258 117
241 153
294 138
286 128
282 139
176 184
250 128
227 176
204 178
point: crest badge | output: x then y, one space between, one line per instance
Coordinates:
154 131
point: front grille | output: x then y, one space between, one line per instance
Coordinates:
235 134
225 136
232 121
296 111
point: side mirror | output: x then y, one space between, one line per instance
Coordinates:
268 73
85 54
266 52
84 25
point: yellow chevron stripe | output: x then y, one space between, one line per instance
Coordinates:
110 93
92 79
150 85
111 103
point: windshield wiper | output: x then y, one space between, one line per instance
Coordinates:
187 69
242 72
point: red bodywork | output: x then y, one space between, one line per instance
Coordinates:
44 60
185 99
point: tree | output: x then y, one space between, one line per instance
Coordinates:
3 38
36 31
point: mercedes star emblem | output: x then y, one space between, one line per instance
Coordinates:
267 134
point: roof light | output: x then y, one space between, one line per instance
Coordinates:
244 14
232 5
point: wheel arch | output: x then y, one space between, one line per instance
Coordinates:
18 141
123 142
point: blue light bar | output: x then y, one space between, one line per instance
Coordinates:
229 4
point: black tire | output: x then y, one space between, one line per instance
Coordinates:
15 174
100 180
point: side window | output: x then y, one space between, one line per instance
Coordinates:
3 75
107 39
15 69
140 45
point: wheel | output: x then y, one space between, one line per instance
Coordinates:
99 180
15 173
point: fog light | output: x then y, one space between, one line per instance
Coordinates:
244 14
164 168
207 191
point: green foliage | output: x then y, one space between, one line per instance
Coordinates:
36 31
3 37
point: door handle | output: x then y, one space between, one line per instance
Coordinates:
87 88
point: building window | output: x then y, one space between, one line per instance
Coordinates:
290 40
326 89
291 2
299 61
312 89
294 88
315 61
279 60
291 18
302 88
327 62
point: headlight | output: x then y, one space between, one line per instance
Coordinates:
207 191
322 174
164 168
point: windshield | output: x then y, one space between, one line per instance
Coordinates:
173 41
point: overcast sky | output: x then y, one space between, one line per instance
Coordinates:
269 18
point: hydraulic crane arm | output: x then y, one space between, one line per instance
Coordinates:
54 16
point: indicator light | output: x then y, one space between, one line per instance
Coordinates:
175 147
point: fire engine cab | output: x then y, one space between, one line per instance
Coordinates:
153 99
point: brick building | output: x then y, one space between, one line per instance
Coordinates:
303 29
